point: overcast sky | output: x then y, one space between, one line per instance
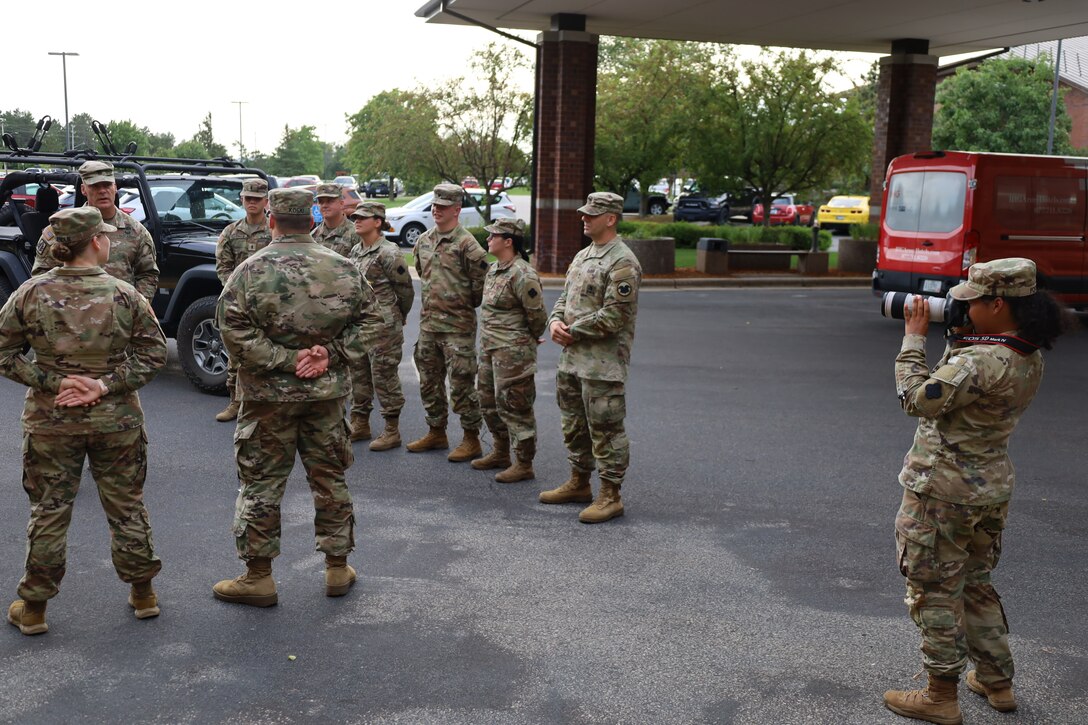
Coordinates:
165 66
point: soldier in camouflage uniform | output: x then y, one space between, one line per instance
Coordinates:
237 242
512 319
451 266
95 341
382 265
335 232
132 251
958 479
594 321
292 316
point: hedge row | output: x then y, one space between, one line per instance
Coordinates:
687 234
864 231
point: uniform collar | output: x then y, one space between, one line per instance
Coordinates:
599 250
294 239
78 271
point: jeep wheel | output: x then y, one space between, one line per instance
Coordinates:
5 290
203 357
657 207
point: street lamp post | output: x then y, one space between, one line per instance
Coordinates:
67 126
241 154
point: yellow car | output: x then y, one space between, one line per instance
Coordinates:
843 211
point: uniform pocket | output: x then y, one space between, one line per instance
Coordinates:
916 548
242 514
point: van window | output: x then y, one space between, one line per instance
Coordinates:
1044 203
926 201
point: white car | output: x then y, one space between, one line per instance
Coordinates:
173 204
414 218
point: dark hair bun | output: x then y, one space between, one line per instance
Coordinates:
61 252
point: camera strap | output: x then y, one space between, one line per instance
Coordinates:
1012 342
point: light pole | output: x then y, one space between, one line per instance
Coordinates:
67 126
241 153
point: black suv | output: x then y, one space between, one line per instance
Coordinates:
699 208
184 203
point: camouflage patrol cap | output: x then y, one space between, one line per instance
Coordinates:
368 209
95 172
602 202
1009 277
257 188
327 190
71 226
507 226
291 202
448 195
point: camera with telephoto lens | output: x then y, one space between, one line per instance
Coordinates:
948 310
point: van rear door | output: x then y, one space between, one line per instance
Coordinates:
922 225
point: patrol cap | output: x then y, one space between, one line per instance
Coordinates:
291 202
507 226
71 226
1009 277
368 209
602 202
257 188
327 190
448 195
95 172
371 209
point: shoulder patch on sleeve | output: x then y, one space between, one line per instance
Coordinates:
624 289
401 269
933 391
532 292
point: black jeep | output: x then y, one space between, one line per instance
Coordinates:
184 203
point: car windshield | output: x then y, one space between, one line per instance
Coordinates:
420 202
185 200
784 201
844 201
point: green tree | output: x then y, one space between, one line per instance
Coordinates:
646 93
484 123
125 132
21 125
776 127
1003 105
299 152
206 138
191 149
392 134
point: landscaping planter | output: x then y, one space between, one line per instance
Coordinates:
657 256
857 256
739 261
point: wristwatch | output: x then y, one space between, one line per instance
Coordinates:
105 390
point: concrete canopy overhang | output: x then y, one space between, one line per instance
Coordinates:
963 26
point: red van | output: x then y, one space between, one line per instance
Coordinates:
945 210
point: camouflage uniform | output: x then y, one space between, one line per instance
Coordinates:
237 242
291 295
512 318
599 302
451 270
132 255
958 480
384 267
82 321
340 240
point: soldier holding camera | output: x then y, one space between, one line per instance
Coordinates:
958 479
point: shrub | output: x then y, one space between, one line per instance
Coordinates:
865 231
687 234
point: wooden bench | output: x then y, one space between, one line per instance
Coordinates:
808 262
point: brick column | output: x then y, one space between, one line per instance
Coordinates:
567 111
904 110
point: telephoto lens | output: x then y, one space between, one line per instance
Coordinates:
892 304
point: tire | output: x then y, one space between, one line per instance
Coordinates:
203 357
410 233
656 208
6 289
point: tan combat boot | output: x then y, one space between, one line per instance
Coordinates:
229 413
339 576
435 439
1000 698
143 600
360 428
390 437
468 449
607 505
29 617
576 489
255 588
937 703
499 457
522 470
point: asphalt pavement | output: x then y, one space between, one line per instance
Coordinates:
752 580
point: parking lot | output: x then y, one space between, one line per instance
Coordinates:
752 579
